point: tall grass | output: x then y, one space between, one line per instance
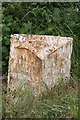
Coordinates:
58 102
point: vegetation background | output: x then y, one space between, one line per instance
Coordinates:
47 18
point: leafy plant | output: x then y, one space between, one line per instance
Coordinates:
40 18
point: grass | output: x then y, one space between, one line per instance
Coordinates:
58 102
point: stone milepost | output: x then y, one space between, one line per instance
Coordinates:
38 59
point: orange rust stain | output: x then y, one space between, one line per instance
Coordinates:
52 51
67 44
27 61
29 81
37 87
35 64
38 44
50 74
12 39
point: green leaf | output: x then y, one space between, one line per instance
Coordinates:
50 27
3 63
7 42
56 14
9 24
28 27
4 49
23 30
56 11
9 18
5 30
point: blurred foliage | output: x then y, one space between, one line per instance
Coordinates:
58 19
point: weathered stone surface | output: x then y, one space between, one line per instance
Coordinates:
38 59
